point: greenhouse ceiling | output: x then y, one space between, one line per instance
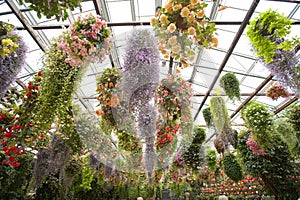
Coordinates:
233 53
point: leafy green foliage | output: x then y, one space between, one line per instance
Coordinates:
232 168
265 29
51 188
231 85
259 121
211 159
14 181
276 169
207 116
194 156
59 9
87 174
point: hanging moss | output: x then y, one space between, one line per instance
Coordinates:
232 168
219 113
231 85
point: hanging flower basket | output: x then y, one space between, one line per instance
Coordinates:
231 85
12 56
182 28
86 40
50 8
275 91
268 32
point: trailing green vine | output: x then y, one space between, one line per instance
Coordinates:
231 85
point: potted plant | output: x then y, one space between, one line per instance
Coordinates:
232 168
58 8
231 85
12 56
275 91
182 27
267 33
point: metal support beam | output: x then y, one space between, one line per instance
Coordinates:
111 24
229 52
26 24
265 82
132 7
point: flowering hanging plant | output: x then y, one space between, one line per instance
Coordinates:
17 126
50 8
182 28
11 61
275 91
86 40
107 84
173 98
254 147
9 41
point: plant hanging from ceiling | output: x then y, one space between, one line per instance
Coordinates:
231 85
173 99
232 168
211 159
275 91
50 8
17 123
259 121
207 117
64 70
86 40
182 28
194 155
139 81
268 32
12 56
107 84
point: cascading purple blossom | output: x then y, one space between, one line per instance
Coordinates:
286 68
11 65
139 82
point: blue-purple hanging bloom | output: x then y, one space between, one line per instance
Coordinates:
10 66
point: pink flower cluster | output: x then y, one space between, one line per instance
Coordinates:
253 146
86 40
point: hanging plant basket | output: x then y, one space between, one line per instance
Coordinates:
58 8
231 85
267 33
183 28
12 56
232 168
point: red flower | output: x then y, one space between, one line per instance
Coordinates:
30 86
8 134
4 143
15 164
4 162
28 94
40 73
36 87
168 128
11 158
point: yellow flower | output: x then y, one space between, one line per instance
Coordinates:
184 12
172 27
177 7
169 10
163 19
168 5
215 42
200 14
177 70
194 2
163 51
191 17
6 51
166 56
172 40
191 30
176 49
153 21
185 65
15 45
6 42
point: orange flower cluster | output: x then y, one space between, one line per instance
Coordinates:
182 28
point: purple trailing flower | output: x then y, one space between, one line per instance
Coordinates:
286 68
10 66
139 82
